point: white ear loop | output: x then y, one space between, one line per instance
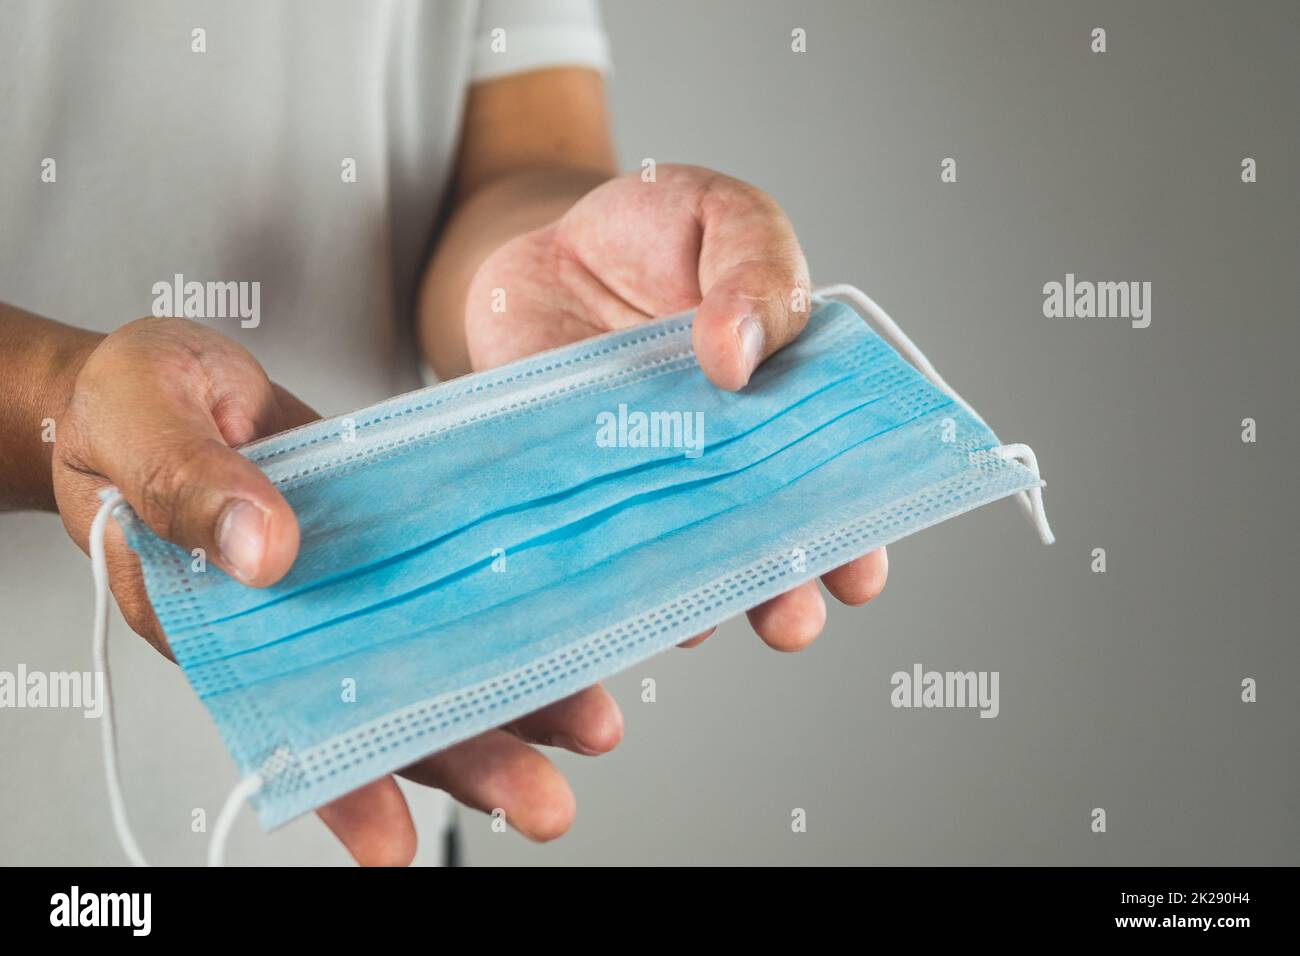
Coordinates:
108 729
1031 502
226 818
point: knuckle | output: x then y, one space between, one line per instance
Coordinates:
726 195
162 485
153 323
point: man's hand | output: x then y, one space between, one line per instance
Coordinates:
630 251
535 210
157 409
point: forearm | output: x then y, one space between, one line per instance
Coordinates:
489 217
39 361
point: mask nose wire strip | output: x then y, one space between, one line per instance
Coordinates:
108 726
1031 502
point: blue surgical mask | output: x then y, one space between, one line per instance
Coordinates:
476 550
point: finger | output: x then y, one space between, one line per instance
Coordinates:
293 410
589 722
166 444
126 581
373 824
698 639
859 581
791 621
498 771
754 279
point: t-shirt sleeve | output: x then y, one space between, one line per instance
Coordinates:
518 35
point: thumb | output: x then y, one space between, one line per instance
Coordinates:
165 442
192 489
754 280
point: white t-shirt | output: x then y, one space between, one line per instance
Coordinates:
127 157
229 165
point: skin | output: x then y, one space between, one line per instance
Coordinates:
158 406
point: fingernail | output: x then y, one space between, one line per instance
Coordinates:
241 536
750 334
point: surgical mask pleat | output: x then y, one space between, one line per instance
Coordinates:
474 551
547 546
412 498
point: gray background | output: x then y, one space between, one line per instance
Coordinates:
1118 690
